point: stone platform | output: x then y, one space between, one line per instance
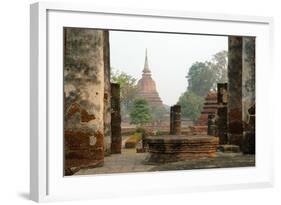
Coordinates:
172 148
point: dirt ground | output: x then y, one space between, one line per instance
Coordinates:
130 161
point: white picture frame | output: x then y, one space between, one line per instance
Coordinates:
47 182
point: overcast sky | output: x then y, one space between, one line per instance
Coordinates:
169 57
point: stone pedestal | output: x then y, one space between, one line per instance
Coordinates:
234 105
116 138
171 148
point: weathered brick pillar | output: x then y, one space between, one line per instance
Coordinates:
234 105
221 121
107 99
175 120
248 100
84 98
171 120
116 138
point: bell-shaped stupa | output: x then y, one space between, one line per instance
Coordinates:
147 86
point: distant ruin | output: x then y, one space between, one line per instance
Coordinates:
147 87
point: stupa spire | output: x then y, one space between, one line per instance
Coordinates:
147 86
146 67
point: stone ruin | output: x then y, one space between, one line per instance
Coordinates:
175 120
210 107
92 115
147 87
208 112
173 148
176 146
84 92
91 103
231 119
238 96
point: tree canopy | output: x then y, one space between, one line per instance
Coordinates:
200 78
204 76
128 89
191 105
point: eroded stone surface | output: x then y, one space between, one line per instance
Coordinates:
248 100
234 105
107 98
170 148
83 98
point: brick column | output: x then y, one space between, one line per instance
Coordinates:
116 138
234 105
248 100
83 98
171 120
107 93
175 121
221 120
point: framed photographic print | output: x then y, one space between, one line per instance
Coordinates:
127 102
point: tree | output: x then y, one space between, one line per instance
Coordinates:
191 105
200 78
218 65
140 112
128 89
204 76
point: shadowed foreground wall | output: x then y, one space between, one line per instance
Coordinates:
84 97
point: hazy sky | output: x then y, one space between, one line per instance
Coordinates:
169 57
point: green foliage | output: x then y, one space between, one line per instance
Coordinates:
218 65
204 76
128 89
200 78
140 112
191 105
